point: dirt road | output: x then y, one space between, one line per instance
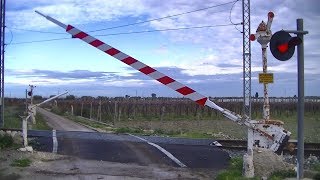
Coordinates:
59 123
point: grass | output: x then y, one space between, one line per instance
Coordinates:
11 116
21 162
279 175
234 172
6 141
12 119
41 124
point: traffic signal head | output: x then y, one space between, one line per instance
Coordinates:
29 93
282 45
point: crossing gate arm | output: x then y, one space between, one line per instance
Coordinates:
271 136
147 70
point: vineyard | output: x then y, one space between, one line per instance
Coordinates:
123 109
180 115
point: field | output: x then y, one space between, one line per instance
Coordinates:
183 118
14 109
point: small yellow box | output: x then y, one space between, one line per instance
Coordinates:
265 78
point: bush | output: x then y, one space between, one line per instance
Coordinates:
6 141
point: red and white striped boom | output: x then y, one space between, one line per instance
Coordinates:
145 69
270 135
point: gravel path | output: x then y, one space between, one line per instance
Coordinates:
59 123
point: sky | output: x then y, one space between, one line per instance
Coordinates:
209 60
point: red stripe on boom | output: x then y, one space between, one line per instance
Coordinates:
129 60
185 90
202 101
112 51
69 27
166 80
96 43
81 35
147 70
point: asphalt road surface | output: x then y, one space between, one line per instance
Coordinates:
129 149
60 123
73 139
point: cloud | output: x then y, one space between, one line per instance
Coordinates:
22 15
219 61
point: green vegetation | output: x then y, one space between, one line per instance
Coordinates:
41 124
316 167
12 118
128 130
234 172
21 162
6 141
279 175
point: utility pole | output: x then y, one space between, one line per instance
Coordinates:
246 49
2 44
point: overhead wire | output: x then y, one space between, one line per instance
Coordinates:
135 32
165 17
43 40
37 31
6 44
230 19
161 30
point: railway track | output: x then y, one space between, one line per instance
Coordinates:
309 148
291 148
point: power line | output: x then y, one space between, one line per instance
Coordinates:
165 17
37 31
38 41
135 32
230 16
141 22
172 29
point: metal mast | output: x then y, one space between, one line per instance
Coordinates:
246 58
2 40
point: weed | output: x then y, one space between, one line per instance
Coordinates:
234 172
316 166
41 123
21 162
278 175
122 130
159 131
6 141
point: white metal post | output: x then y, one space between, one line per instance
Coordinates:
263 36
266 105
24 131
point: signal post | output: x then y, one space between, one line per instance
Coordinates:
282 47
263 36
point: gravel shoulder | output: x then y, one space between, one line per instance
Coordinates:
52 166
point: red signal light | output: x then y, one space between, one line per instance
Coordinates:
282 45
252 37
283 48
271 14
